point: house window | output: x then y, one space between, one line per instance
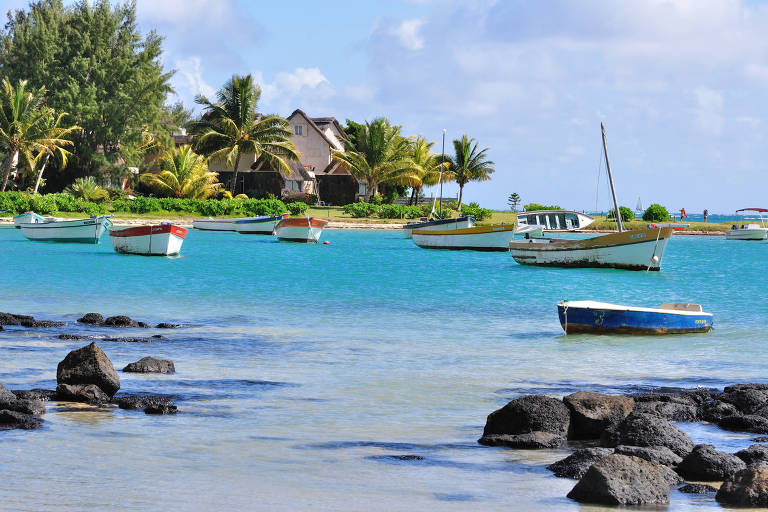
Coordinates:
361 189
298 129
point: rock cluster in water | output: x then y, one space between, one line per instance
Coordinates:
641 455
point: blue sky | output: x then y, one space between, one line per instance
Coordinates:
682 85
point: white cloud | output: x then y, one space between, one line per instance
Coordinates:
183 12
305 88
408 34
188 80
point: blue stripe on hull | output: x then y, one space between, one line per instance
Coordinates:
609 321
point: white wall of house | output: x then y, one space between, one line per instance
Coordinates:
314 149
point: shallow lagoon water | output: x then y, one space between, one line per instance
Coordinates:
302 369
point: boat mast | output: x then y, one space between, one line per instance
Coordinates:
610 180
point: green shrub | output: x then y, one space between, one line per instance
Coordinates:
44 205
297 208
655 213
391 211
475 210
532 207
16 202
626 214
361 209
377 198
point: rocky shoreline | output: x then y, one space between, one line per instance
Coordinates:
628 452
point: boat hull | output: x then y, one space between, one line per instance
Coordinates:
259 225
81 231
484 238
300 229
463 222
158 240
747 234
630 250
600 320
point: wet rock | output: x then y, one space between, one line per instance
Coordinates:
760 439
624 480
639 429
747 398
33 407
755 455
88 393
13 419
161 409
1 328
6 395
528 441
403 457
43 395
132 402
716 410
744 423
697 489
128 339
528 414
91 318
143 325
672 411
158 336
72 337
89 365
42 323
150 365
591 413
707 464
656 454
166 325
12 319
120 321
576 464
747 488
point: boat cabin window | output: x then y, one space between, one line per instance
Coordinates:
571 221
522 220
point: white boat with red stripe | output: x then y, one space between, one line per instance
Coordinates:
156 240
300 229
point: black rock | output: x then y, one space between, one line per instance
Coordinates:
576 464
527 441
72 337
747 398
42 323
150 365
639 429
89 365
744 423
12 319
142 401
760 439
707 464
624 480
13 419
128 339
747 488
6 395
43 395
143 325
161 409
33 407
403 457
697 489
591 413
656 454
91 318
528 414
670 410
88 393
158 336
120 321
755 455
165 325
716 410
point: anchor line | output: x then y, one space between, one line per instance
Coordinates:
650 262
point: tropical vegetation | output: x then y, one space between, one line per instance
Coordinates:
427 166
513 201
469 163
626 213
231 127
655 213
532 207
87 189
182 174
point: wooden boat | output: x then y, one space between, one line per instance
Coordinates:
300 229
641 249
479 238
158 240
555 219
264 225
462 222
586 316
30 218
82 230
750 231
211 224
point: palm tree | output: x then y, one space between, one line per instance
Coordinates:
87 189
469 164
230 127
23 123
427 165
379 155
52 145
182 174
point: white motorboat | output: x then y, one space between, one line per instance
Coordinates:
462 222
300 229
264 225
211 224
479 238
31 218
751 231
564 220
82 230
158 240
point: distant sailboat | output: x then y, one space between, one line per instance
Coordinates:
639 208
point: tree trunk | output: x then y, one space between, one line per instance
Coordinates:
40 174
461 192
13 160
413 194
233 185
369 191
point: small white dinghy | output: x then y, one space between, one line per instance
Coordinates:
264 225
86 231
211 224
464 221
159 240
300 229
750 231
479 238
31 218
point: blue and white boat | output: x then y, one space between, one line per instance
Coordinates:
87 231
263 225
30 218
587 316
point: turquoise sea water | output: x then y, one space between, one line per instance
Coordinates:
303 368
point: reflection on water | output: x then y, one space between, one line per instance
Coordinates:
351 376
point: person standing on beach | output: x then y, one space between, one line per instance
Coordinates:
683 215
706 213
